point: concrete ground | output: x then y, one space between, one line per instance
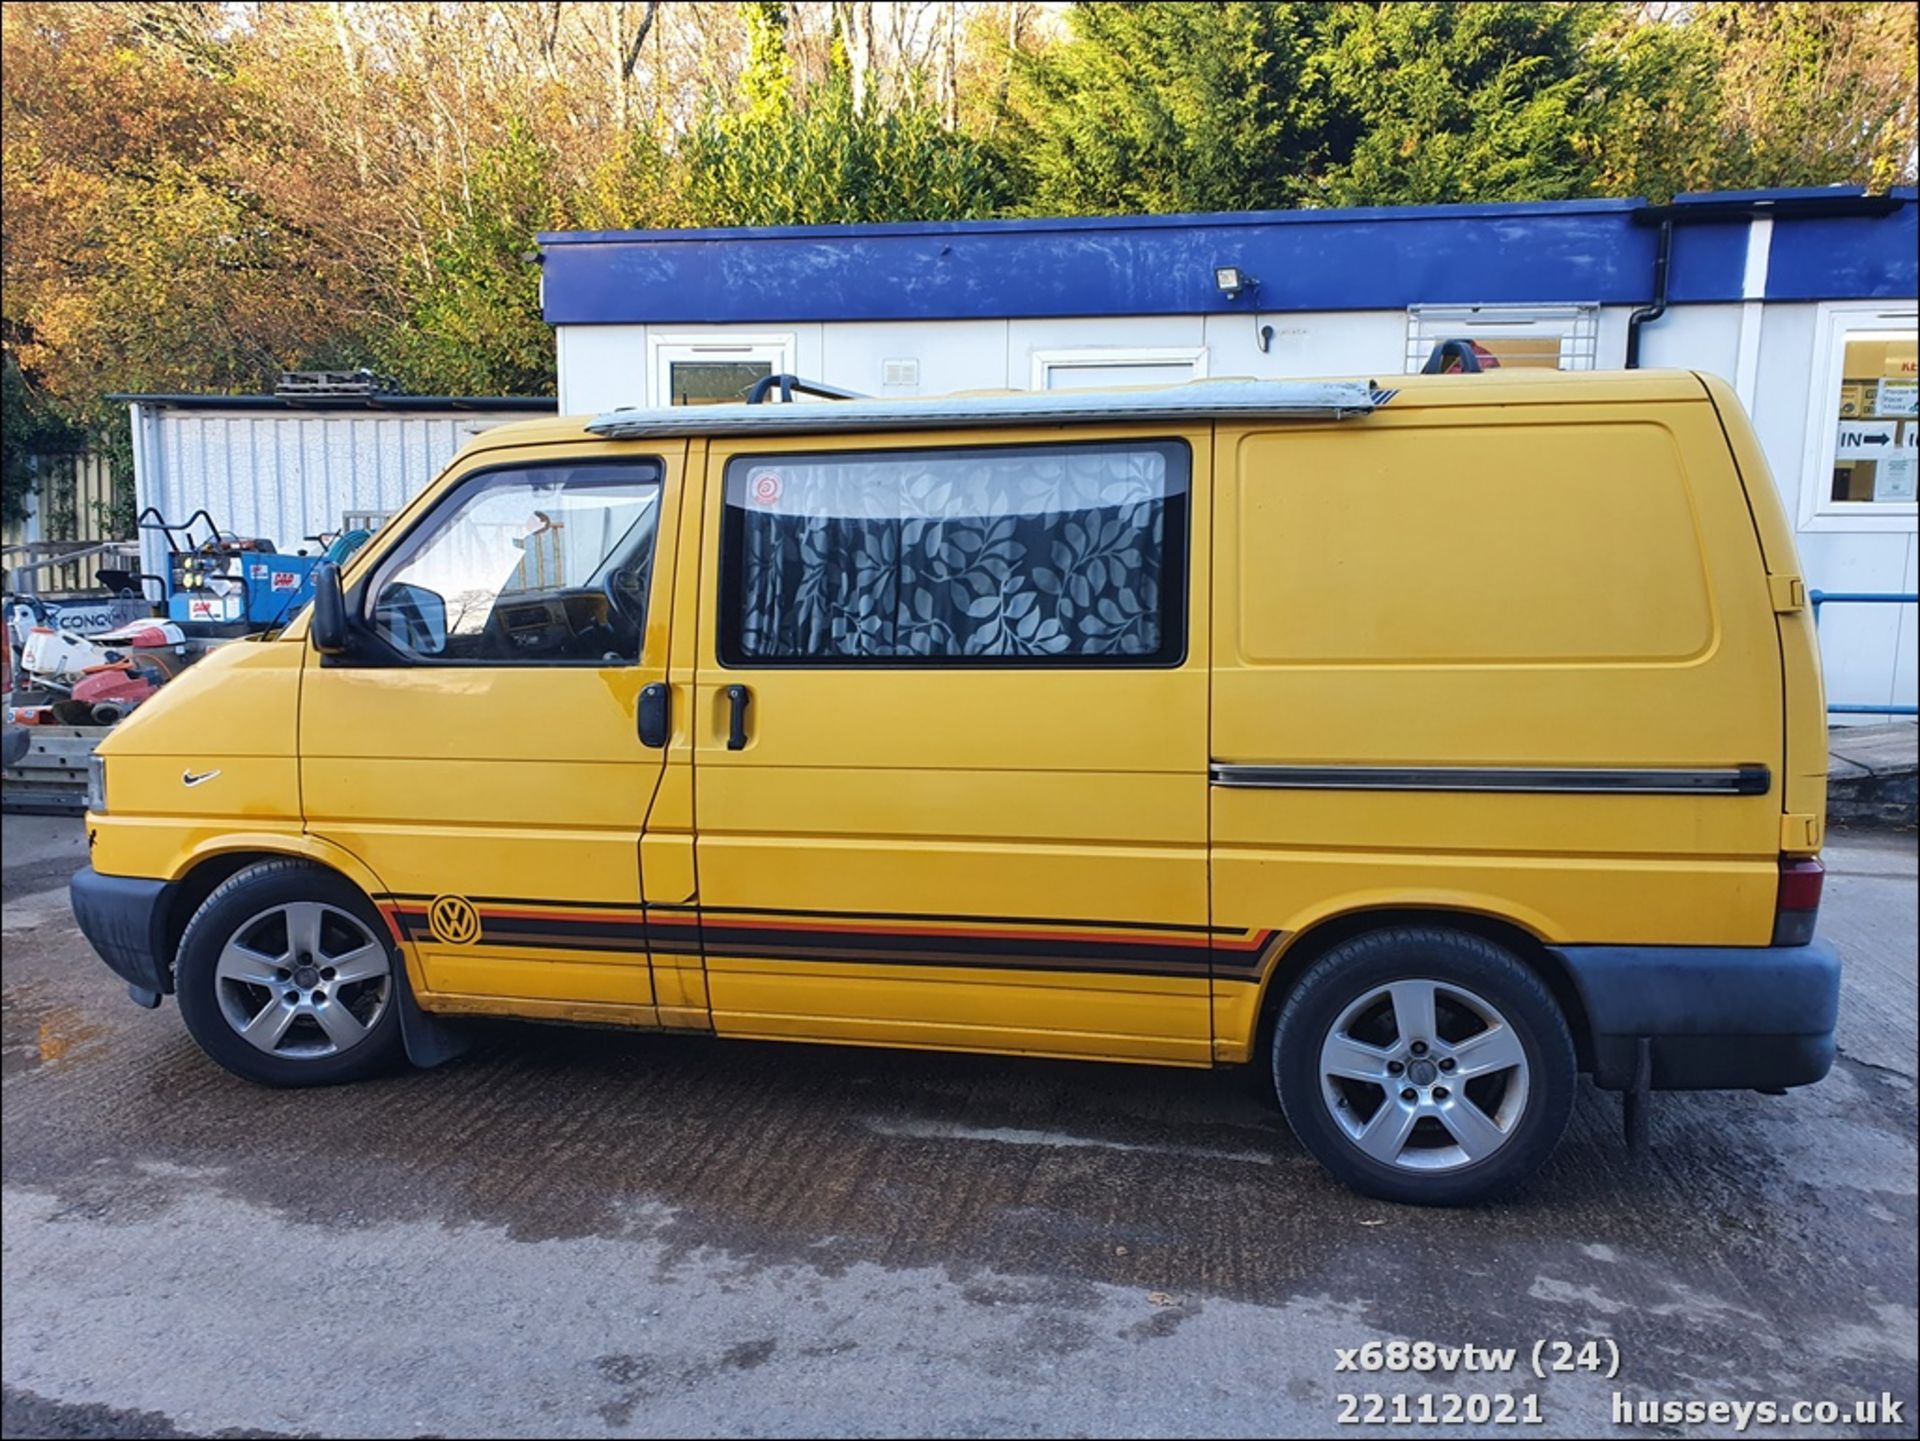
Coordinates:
586 1233
1873 774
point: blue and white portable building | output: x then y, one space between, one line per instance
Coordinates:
1805 300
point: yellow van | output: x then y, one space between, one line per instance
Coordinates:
1425 746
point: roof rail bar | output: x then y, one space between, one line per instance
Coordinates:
1332 400
1449 350
788 384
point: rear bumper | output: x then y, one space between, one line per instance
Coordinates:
1758 1017
125 919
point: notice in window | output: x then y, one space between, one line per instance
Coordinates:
1866 440
1874 414
1896 397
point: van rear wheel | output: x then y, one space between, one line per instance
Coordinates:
1425 1066
286 977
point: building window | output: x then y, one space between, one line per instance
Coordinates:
1523 337
988 555
1102 367
694 370
1873 456
1863 422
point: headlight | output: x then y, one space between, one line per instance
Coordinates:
97 784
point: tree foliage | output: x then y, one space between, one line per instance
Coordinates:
1812 94
1465 102
1165 107
32 428
828 156
472 322
200 194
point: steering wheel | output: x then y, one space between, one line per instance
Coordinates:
627 594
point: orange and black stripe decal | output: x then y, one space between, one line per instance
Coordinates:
1006 943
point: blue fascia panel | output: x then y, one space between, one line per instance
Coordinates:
1875 259
1163 265
1709 262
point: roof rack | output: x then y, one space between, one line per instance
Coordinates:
1204 399
328 384
788 384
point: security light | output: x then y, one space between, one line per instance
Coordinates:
1232 282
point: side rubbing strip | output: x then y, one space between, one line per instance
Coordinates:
1742 780
623 930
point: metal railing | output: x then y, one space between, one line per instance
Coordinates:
1819 598
38 567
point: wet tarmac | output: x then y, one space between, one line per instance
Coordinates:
578 1232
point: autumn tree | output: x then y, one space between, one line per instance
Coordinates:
136 255
1812 94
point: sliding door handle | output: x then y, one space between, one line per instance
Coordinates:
737 698
656 715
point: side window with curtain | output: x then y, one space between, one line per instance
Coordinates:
1051 555
526 565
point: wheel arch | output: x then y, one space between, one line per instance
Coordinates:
1311 942
210 866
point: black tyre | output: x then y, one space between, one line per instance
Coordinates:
1425 1066
286 976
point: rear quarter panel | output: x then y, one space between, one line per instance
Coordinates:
1559 582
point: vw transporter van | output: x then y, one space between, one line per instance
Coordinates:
1423 747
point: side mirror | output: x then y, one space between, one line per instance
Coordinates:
329 627
411 617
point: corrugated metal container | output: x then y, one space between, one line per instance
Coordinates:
261 467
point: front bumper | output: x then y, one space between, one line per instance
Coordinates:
125 918
1737 1018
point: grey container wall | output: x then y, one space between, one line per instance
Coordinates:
287 474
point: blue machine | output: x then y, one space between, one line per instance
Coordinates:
227 580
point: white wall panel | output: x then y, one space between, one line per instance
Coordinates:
1859 644
1780 396
952 355
1692 337
1309 343
1906 650
602 367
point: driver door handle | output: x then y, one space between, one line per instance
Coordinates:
656 715
737 698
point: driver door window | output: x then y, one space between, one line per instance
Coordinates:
532 565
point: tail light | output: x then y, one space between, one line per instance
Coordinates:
1797 903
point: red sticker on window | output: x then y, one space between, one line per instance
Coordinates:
764 487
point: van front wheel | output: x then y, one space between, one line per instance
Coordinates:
1425 1066
286 977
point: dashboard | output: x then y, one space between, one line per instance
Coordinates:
559 625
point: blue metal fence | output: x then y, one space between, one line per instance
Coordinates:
1863 597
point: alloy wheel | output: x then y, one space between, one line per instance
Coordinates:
303 980
1424 1076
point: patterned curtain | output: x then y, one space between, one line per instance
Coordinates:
982 553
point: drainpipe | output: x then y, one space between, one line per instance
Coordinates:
1832 205
1646 314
